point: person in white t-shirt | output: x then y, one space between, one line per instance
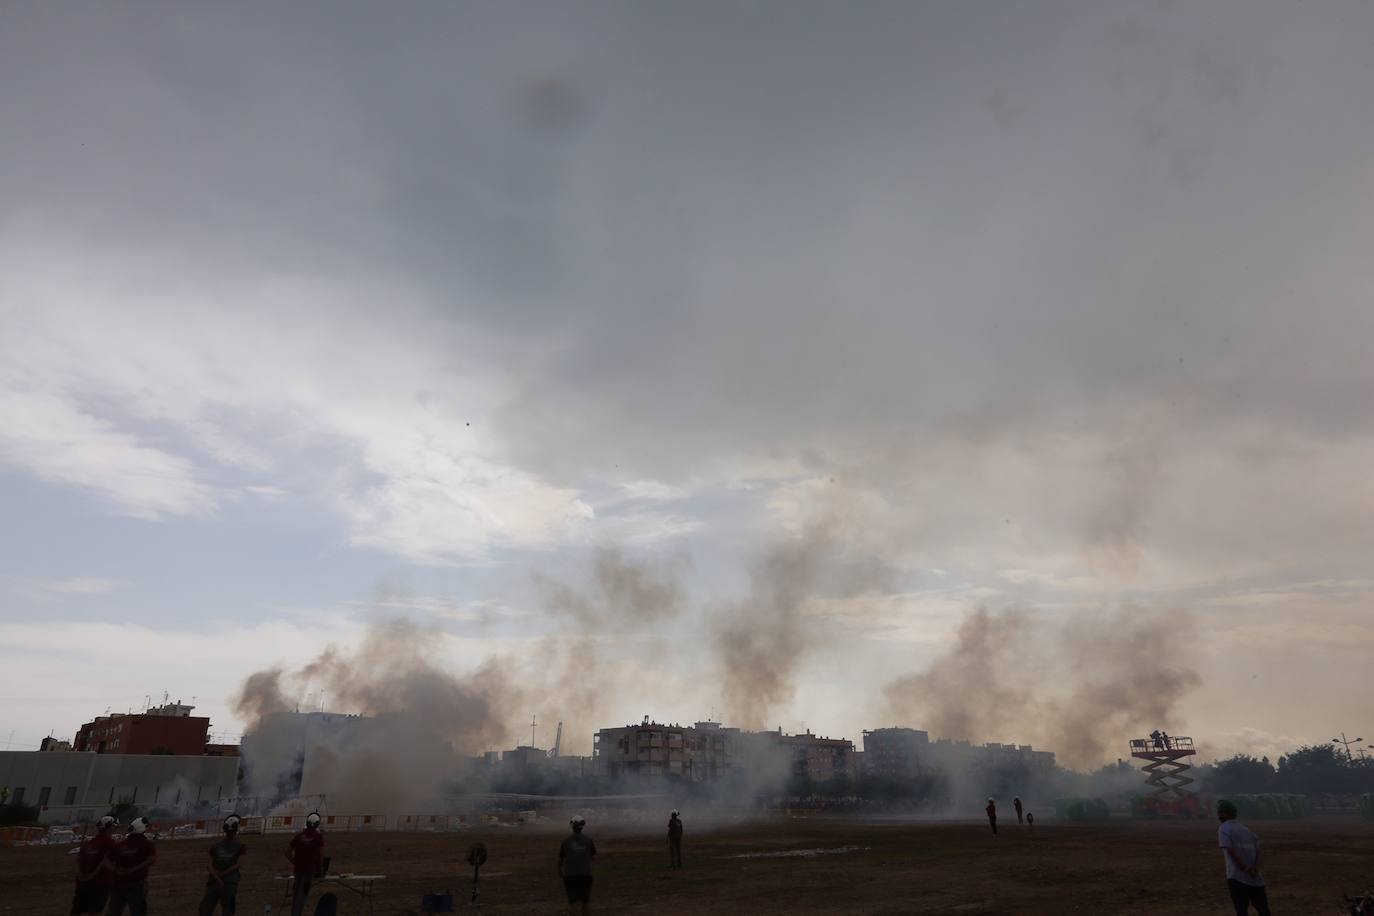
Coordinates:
1241 849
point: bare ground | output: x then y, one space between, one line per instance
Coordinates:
1116 867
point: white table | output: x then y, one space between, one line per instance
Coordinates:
361 885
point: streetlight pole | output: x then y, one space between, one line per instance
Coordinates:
1343 740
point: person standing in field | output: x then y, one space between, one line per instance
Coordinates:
222 887
92 870
304 852
1016 803
675 840
130 862
575 866
1241 849
992 815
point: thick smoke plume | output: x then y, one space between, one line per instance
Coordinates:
419 717
763 640
626 599
1079 687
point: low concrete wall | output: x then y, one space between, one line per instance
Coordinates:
66 784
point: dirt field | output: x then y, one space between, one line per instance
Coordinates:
1121 867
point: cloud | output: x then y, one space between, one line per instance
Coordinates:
1071 302
53 439
77 585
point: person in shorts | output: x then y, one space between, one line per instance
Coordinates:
575 867
1241 850
130 863
222 886
92 870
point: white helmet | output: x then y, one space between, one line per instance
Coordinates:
231 822
989 799
675 813
312 819
105 823
578 821
139 825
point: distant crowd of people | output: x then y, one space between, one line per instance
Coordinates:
112 875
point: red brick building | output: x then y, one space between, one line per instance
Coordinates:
169 729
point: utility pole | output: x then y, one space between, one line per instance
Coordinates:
533 722
1343 740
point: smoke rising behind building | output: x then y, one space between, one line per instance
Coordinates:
1081 684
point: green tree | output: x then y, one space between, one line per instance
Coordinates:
1242 775
1318 769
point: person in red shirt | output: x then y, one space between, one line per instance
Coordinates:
304 852
92 872
130 863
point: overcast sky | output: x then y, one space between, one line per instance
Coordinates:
317 314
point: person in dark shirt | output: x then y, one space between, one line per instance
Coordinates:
1016 803
92 870
222 886
575 866
675 840
992 815
305 852
130 862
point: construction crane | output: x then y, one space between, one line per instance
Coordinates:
557 741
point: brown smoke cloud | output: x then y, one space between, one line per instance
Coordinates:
762 641
420 716
626 598
1080 687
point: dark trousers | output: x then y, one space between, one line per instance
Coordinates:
1019 818
992 819
223 897
133 896
1242 895
300 892
674 852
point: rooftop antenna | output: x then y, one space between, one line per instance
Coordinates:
533 723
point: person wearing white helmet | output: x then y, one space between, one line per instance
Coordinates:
130 863
992 814
575 867
222 886
305 852
675 839
92 869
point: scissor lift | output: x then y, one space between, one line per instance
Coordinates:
1165 773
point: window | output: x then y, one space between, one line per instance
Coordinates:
70 797
43 795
